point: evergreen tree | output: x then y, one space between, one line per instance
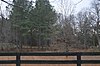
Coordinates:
20 21
32 24
45 18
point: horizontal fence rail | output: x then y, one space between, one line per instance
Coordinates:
78 61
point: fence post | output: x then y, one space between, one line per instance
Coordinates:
78 59
18 59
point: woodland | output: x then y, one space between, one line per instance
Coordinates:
38 26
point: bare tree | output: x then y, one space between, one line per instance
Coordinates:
85 28
96 11
66 24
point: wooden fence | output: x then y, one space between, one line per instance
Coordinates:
78 61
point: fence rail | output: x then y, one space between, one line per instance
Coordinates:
78 61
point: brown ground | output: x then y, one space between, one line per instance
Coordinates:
49 58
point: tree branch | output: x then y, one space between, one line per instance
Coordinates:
10 4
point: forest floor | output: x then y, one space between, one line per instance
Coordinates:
52 58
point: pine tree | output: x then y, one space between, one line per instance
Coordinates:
20 21
45 18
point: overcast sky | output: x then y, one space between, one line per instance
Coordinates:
81 4
55 3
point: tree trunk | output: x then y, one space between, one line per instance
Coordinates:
98 38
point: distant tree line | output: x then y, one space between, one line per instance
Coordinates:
42 26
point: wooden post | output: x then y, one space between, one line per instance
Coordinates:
79 60
18 59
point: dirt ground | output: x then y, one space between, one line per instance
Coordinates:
49 58
52 58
